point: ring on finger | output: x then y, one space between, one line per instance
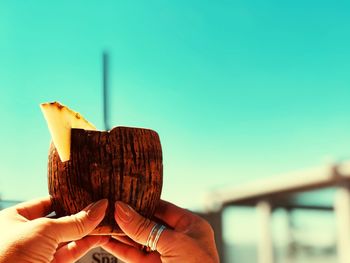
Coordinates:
154 236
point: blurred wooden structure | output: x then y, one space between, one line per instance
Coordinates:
267 195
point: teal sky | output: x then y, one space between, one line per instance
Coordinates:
237 90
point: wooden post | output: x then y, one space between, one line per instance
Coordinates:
265 243
342 213
291 250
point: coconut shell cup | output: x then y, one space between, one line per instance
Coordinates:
122 164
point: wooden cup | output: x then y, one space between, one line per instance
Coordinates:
121 164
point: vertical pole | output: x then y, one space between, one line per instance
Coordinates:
291 246
265 243
105 84
342 213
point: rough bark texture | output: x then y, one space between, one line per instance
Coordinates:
122 164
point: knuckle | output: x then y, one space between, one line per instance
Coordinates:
184 222
46 228
44 225
179 237
210 230
79 225
141 227
205 226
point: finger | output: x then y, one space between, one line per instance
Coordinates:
130 254
76 226
176 217
128 241
34 208
76 249
61 245
138 228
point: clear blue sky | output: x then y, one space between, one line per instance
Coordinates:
238 90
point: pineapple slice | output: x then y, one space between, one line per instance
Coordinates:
60 120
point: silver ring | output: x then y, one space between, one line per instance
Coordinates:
154 236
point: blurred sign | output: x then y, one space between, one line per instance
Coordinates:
98 255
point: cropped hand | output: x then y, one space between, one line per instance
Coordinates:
28 236
187 238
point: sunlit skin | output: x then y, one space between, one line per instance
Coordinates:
28 236
188 238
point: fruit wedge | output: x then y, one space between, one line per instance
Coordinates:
60 120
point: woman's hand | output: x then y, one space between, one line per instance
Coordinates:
27 236
188 238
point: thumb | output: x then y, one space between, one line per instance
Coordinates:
76 226
138 228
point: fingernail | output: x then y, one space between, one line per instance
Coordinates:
123 212
97 209
88 207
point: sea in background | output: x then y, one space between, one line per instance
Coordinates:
248 254
6 203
